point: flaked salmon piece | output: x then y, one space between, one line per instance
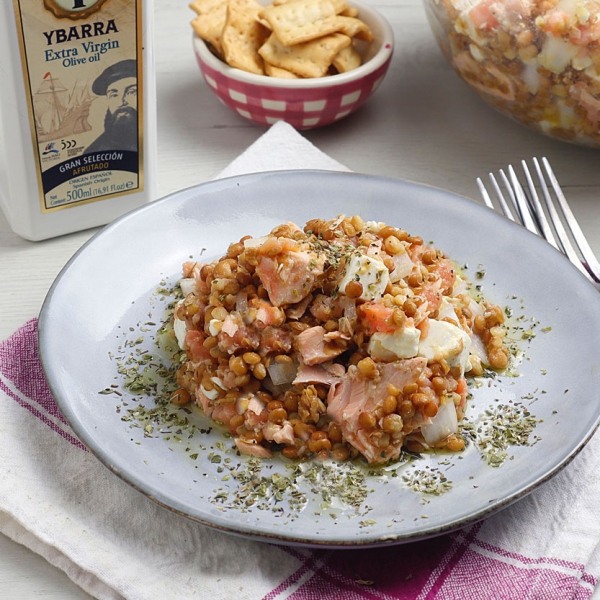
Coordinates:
231 324
315 347
192 272
374 248
280 434
433 294
267 314
355 394
223 412
295 311
289 277
331 336
325 307
483 14
326 373
254 411
235 334
252 448
275 340
227 376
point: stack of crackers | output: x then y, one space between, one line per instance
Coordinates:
289 38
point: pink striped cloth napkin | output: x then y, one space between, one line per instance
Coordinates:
57 499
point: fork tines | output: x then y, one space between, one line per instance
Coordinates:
524 207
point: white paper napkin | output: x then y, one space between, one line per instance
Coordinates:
57 499
281 148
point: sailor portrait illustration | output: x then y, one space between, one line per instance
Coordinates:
118 83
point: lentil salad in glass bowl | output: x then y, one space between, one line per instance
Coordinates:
536 61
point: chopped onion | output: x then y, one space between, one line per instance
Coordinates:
478 349
255 242
402 266
460 287
350 309
442 425
188 285
345 326
282 372
276 390
241 302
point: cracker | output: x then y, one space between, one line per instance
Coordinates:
273 71
203 7
340 6
264 22
349 12
309 59
353 27
346 59
210 26
243 35
299 21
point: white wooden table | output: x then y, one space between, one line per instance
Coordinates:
423 124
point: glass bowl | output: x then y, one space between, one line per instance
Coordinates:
537 61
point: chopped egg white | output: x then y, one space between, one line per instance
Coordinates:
556 54
214 393
448 342
214 327
403 343
370 272
374 226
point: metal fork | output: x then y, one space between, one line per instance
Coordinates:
526 209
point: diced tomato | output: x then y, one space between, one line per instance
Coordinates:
462 390
433 295
447 271
376 317
194 342
482 17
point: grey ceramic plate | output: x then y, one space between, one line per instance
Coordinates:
95 313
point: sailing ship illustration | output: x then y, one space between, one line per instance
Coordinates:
60 112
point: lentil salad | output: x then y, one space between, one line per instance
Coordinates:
339 339
536 60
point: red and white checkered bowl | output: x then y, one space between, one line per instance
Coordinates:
303 103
